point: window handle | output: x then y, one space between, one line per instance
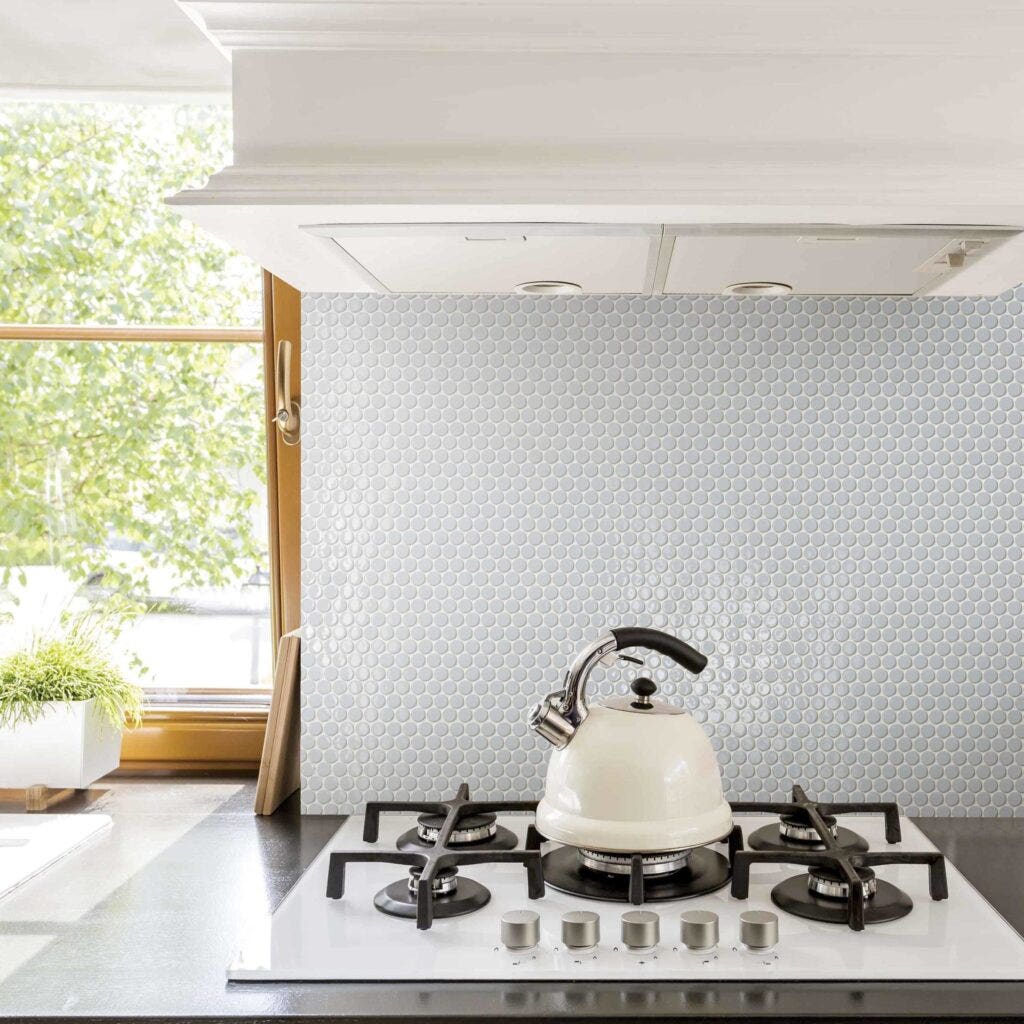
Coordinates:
287 418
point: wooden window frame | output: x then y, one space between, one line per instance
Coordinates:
225 738
282 321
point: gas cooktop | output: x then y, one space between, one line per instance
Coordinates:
802 897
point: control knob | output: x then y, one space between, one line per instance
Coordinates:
641 929
698 930
581 929
520 929
759 929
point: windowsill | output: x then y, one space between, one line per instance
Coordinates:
196 738
225 703
219 709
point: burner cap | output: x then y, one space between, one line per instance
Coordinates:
798 828
831 883
622 863
471 828
445 881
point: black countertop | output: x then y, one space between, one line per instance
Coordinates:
142 922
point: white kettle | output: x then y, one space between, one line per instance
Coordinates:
630 774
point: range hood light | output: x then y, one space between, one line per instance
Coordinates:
548 288
757 288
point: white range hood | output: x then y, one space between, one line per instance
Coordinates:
645 147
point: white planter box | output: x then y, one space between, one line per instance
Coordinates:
69 746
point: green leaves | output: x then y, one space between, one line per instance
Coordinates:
157 445
69 667
85 236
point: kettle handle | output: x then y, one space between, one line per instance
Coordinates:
681 653
558 715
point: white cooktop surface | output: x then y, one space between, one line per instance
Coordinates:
312 938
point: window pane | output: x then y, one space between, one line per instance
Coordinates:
85 236
133 475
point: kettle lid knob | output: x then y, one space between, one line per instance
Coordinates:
644 689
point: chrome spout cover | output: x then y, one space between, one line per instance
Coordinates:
547 719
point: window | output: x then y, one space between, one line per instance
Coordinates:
132 452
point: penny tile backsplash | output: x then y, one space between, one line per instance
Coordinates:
824 495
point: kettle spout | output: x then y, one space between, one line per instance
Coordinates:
546 719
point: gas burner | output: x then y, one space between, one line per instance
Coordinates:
640 877
451 895
797 832
652 864
472 828
823 894
829 882
435 860
473 831
840 886
444 882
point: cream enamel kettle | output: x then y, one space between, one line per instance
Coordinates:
630 774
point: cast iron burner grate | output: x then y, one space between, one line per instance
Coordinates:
845 870
430 893
796 830
578 873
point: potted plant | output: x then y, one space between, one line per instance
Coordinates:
63 707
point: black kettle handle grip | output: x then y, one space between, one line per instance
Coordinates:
654 640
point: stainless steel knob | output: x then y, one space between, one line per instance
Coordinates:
581 929
520 929
698 929
641 929
759 929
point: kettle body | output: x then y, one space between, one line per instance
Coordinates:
632 774
629 784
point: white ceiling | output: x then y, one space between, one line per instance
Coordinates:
107 49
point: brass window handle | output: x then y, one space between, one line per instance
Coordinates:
287 418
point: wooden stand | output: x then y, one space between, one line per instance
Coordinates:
37 798
279 766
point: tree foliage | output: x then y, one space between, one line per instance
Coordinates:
156 446
85 236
